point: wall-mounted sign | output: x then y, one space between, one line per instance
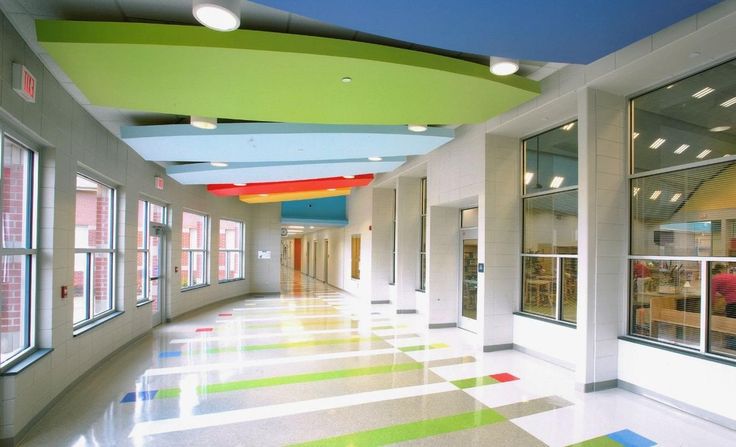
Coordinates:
264 254
158 181
24 83
481 267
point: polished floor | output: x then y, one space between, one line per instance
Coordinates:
315 367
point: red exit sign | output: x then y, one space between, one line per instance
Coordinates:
24 83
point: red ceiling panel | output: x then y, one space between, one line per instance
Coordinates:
290 186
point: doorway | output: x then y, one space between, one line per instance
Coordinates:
468 318
156 269
314 259
326 257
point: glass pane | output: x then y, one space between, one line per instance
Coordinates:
154 246
723 308
141 275
15 309
16 176
551 159
222 266
93 214
470 279
422 271
142 224
666 301
198 274
683 213
234 265
154 288
469 218
193 231
569 289
423 235
540 292
185 269
551 224
80 287
687 121
101 287
157 213
231 234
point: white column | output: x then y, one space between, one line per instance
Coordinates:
382 240
408 206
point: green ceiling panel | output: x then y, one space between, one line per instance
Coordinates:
264 76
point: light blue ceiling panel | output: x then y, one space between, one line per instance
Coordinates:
328 212
268 142
205 173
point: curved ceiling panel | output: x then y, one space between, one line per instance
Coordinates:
205 173
264 76
256 142
573 31
293 186
291 196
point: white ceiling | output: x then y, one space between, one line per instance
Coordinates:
23 13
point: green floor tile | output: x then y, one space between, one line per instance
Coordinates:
423 347
473 382
603 441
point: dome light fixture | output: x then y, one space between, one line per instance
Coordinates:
218 15
218 164
348 176
720 128
203 122
346 80
375 158
503 66
417 127
239 184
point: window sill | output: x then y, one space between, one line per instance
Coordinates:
230 280
392 284
26 361
200 286
420 290
678 350
143 303
95 323
547 320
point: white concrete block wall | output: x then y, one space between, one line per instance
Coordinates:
382 243
68 140
443 265
407 243
360 209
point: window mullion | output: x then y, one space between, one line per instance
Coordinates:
704 306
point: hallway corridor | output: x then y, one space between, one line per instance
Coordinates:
315 367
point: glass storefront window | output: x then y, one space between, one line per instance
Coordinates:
551 223
722 317
551 159
540 286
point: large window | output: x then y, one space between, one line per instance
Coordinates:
148 251
231 255
683 213
550 247
18 252
94 255
194 234
423 234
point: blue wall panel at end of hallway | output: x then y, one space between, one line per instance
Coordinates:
328 209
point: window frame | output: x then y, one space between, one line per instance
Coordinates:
204 250
393 242
240 251
146 250
422 267
92 320
559 280
30 251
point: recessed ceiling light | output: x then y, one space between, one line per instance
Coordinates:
331 189
682 148
568 126
295 227
655 195
729 102
703 154
670 86
218 164
720 128
375 158
556 182
239 184
265 195
346 80
658 142
417 127
203 122
528 177
502 66
676 197
311 227
219 15
348 176
636 190
703 92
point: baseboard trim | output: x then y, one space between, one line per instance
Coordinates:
441 325
592 387
381 302
406 311
682 406
499 347
545 357
15 440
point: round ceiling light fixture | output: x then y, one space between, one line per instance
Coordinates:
239 184
348 176
417 127
332 189
720 128
219 15
218 164
375 158
346 80
203 122
503 66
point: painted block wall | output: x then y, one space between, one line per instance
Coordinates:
407 243
69 140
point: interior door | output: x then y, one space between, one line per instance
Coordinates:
156 269
326 258
469 280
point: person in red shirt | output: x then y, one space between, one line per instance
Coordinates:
641 270
723 284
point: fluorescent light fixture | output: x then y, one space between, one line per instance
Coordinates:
219 15
636 190
375 158
348 176
670 86
568 126
703 92
502 66
556 182
528 177
703 154
634 135
417 127
346 80
218 164
655 195
295 227
720 128
203 122
658 142
676 197
682 148
239 184
729 102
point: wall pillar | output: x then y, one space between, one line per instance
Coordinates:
408 207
